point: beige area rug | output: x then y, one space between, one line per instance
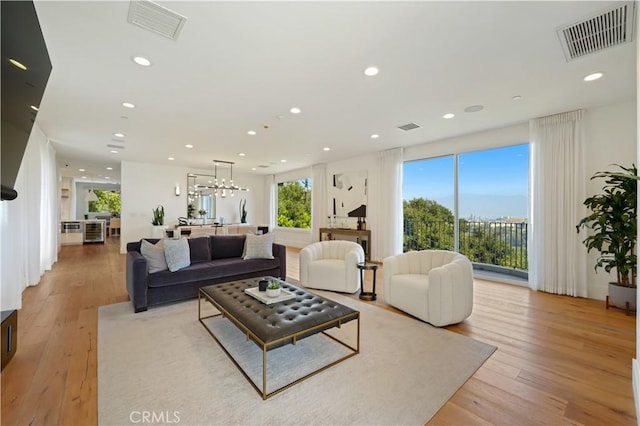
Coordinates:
163 366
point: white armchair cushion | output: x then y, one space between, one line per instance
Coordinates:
331 265
435 286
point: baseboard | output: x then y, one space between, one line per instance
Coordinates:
636 389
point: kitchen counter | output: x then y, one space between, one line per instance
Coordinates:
74 232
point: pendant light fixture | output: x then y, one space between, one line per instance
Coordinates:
91 195
223 188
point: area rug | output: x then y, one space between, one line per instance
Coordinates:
162 367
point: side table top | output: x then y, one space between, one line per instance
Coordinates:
367 265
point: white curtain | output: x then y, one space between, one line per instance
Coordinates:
389 232
557 258
270 201
29 224
49 216
319 204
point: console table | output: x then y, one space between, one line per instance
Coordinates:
362 237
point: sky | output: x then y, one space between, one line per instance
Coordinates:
492 183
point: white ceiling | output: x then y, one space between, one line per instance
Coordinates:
240 65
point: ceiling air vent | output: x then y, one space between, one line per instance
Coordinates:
262 166
409 126
153 17
610 28
115 146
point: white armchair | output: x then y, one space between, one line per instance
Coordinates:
331 265
435 286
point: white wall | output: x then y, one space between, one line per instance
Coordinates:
145 186
611 139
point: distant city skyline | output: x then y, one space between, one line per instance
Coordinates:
492 183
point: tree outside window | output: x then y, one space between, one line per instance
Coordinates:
108 202
294 204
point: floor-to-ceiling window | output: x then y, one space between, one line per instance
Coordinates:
428 204
474 202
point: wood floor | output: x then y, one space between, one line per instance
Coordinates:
560 360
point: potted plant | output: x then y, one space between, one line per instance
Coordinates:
203 215
243 211
158 216
613 225
158 230
273 289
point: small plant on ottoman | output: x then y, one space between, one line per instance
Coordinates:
273 290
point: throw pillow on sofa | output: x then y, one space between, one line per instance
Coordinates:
199 250
258 246
154 253
177 254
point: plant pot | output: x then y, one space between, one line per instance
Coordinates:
159 231
619 296
273 292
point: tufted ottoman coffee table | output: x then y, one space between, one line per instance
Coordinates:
278 324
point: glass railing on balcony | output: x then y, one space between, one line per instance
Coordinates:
501 244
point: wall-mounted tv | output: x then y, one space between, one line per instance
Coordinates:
22 42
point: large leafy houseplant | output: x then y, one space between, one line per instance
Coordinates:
613 224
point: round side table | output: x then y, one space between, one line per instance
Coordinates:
367 295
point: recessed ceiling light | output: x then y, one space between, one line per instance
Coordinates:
253 168
81 170
84 177
516 98
142 61
119 135
109 168
107 177
33 107
251 132
113 151
474 108
17 64
283 161
241 154
594 76
448 115
326 148
170 158
295 110
375 136
128 105
371 71
188 145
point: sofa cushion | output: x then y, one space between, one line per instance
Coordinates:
258 246
213 270
177 254
199 249
226 246
154 253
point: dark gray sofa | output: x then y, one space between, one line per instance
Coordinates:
214 259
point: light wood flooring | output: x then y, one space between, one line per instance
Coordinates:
560 360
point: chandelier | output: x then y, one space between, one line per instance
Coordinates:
224 187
